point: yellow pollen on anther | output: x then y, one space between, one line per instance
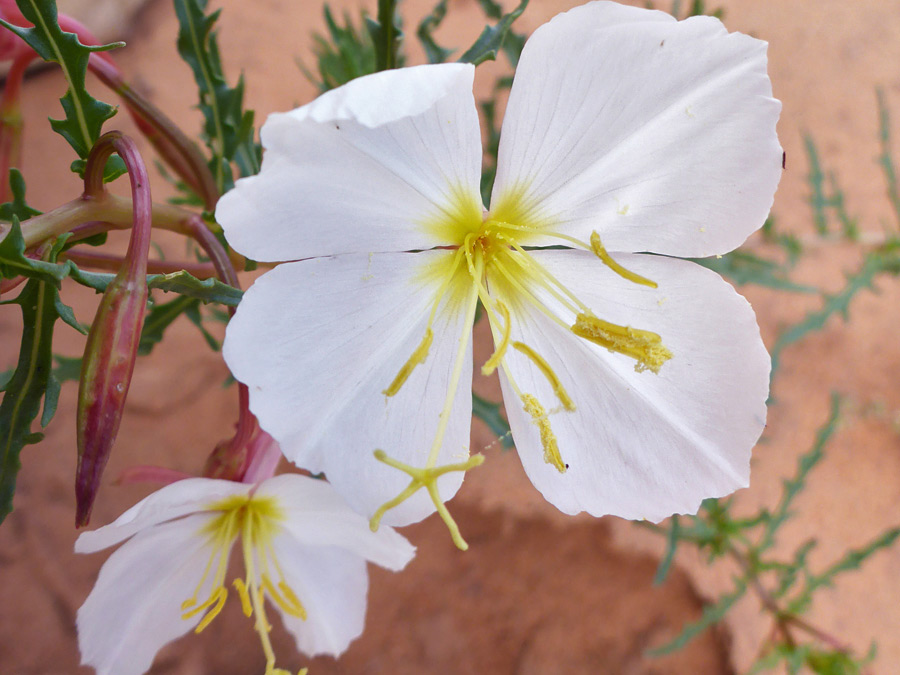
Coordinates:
548 438
547 371
643 346
256 520
491 364
600 252
417 357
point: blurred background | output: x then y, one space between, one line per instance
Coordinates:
538 592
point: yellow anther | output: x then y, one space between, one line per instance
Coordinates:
425 478
418 356
601 253
214 603
548 438
545 368
491 364
241 588
289 603
643 346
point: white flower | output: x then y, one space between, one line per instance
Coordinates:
303 548
629 138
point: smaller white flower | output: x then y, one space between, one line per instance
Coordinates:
304 550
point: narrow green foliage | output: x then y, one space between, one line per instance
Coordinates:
743 267
877 262
886 158
160 317
697 8
514 42
31 382
712 614
671 547
489 413
228 128
18 207
67 368
433 51
795 485
825 203
386 35
193 314
345 54
85 115
207 290
492 38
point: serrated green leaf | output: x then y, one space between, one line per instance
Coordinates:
344 54
228 130
489 413
492 38
794 486
18 207
29 383
67 368
742 267
886 158
712 613
433 51
85 115
159 318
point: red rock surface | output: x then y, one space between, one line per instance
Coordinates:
538 592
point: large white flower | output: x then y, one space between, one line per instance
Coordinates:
635 382
304 550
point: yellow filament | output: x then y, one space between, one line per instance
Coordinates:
418 356
545 368
491 364
548 438
601 253
289 603
643 346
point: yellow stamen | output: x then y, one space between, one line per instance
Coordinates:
601 253
548 438
491 364
241 588
643 346
418 356
545 368
426 478
289 604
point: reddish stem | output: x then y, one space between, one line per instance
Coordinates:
105 261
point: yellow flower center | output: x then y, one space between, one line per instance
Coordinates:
256 520
489 260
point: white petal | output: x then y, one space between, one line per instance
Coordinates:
332 585
363 168
135 607
318 341
318 516
170 502
641 445
658 134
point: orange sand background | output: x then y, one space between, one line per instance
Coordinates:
538 592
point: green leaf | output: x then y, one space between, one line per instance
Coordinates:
489 413
877 262
161 317
742 267
386 35
794 486
85 115
5 379
68 368
886 159
228 129
17 208
514 42
712 613
30 383
433 51
14 262
671 545
193 314
492 38
345 54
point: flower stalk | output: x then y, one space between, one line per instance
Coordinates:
112 343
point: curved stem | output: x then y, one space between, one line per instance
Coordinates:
105 261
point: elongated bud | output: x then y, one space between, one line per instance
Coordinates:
112 343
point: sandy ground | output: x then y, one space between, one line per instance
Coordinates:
538 592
